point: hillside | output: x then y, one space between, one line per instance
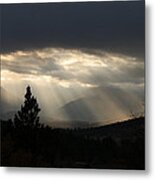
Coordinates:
133 128
100 106
116 146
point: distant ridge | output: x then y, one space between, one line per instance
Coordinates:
126 129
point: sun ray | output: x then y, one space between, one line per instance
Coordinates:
60 76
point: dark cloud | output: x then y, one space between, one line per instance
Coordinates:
69 51
115 26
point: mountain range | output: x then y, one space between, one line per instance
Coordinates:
97 106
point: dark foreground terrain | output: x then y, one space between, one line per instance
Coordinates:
116 146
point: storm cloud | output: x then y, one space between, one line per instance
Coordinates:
117 26
74 55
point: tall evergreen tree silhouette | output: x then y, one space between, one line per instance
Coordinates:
28 114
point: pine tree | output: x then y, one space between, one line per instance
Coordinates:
28 114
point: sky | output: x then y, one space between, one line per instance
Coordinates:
82 60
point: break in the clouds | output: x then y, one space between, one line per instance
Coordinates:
91 81
70 67
84 61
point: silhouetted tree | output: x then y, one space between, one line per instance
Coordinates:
28 114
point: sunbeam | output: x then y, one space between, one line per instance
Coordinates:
74 85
